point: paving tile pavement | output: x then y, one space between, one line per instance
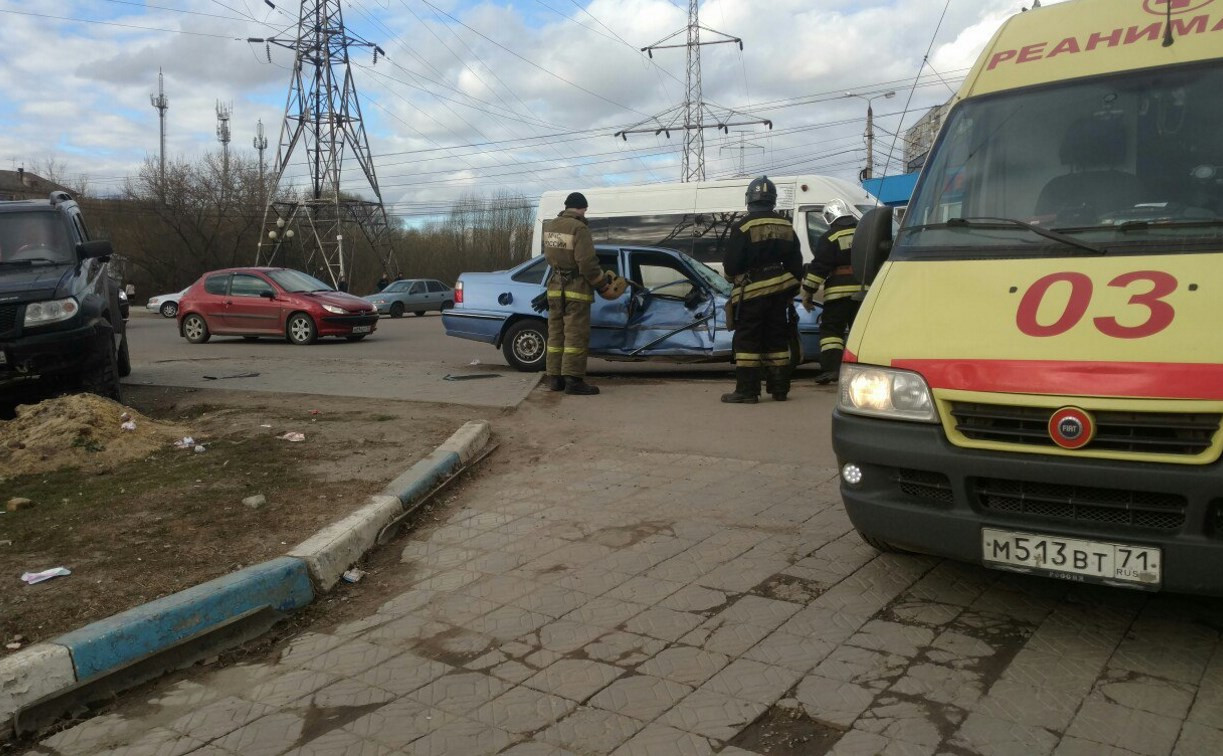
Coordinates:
673 603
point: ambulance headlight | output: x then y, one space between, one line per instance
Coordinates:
885 392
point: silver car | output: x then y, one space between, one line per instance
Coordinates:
418 295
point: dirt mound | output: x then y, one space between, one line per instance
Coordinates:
83 431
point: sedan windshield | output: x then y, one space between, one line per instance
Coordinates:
709 276
1125 161
295 282
35 237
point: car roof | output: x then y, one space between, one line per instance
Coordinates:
249 269
25 206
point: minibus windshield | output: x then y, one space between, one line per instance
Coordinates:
1125 163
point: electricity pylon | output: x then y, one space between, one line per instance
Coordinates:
323 119
694 114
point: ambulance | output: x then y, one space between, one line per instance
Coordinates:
1035 379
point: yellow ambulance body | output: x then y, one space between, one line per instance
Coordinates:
1035 379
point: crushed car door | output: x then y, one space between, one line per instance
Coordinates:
671 309
608 317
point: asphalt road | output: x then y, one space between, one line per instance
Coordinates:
408 358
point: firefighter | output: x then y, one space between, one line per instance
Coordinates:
830 268
571 285
764 261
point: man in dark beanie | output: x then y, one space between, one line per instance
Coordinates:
575 277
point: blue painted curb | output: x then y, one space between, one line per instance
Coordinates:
421 477
106 645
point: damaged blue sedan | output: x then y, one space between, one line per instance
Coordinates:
673 311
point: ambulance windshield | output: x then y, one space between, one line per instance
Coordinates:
1133 159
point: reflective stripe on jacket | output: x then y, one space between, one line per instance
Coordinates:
831 266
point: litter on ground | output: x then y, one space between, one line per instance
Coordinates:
293 436
30 578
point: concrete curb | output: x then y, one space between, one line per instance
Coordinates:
46 670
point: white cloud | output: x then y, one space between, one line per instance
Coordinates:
82 90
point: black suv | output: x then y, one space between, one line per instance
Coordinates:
60 323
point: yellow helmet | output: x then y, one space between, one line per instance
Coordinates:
615 286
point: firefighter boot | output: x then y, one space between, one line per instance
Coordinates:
777 382
830 364
556 383
579 387
747 387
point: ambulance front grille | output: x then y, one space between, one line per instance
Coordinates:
1180 433
932 487
1108 506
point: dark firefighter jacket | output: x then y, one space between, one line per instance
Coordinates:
830 266
763 256
571 253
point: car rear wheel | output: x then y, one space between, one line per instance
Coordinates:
195 329
397 310
169 309
796 350
525 344
300 329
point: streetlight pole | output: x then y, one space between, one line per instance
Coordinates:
869 170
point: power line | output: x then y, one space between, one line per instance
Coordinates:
530 62
123 26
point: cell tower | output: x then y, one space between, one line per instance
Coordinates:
694 114
162 103
323 120
260 143
223 136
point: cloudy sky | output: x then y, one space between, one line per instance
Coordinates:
473 97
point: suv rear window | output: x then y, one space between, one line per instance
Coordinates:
217 284
35 236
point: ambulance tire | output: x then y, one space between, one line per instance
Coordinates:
878 544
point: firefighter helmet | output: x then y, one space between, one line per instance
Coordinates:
761 191
615 286
837 210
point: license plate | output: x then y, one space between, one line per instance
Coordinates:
1073 559
362 329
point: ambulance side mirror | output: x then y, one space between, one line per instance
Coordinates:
872 244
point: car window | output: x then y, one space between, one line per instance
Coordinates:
294 281
397 286
436 286
417 288
246 285
610 261
217 284
533 273
652 270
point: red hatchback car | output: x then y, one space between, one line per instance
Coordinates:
278 302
